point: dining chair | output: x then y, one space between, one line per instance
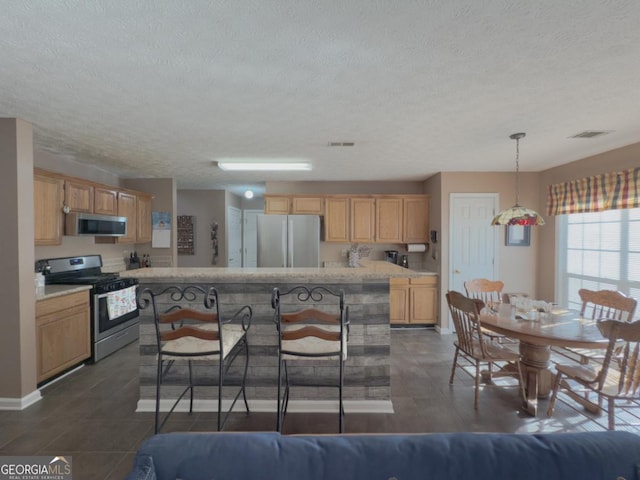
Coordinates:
618 378
313 329
490 292
597 304
471 346
191 330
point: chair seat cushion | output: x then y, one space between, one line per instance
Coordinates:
231 335
314 345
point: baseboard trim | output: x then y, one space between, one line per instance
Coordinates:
20 403
443 331
269 406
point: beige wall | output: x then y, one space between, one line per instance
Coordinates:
517 266
17 292
614 160
207 206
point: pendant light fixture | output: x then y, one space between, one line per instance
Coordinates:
518 215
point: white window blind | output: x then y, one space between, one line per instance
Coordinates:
599 251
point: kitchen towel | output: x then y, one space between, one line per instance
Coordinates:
416 247
121 302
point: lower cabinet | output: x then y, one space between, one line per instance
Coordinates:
413 300
63 333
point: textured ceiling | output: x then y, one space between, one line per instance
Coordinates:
163 88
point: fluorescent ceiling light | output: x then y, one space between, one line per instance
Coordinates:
239 164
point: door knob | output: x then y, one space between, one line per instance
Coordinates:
457 271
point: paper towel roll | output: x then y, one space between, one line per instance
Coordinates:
416 247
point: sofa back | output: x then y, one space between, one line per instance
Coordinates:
252 456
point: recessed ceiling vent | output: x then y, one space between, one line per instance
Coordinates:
591 133
341 144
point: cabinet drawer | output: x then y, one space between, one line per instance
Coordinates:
424 281
63 302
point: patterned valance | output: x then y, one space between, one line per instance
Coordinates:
609 191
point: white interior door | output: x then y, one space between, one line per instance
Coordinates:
250 238
472 238
234 237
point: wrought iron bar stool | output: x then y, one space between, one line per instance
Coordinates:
313 324
189 328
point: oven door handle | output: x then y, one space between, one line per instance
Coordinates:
104 295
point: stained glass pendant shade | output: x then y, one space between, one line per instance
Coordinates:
517 215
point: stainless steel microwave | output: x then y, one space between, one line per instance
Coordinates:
94 225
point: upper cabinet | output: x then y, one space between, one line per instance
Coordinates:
47 203
127 207
389 220
277 204
294 204
78 196
105 201
304 205
53 191
143 220
416 219
336 219
363 220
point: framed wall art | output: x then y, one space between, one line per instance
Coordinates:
518 236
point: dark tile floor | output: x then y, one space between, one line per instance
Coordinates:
90 414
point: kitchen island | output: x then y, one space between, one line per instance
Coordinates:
367 370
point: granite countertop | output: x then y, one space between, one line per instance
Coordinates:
50 291
369 270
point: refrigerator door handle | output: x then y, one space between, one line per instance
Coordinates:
289 238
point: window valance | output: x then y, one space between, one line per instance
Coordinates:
609 191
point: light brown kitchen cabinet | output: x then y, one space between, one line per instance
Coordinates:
398 300
47 206
416 219
105 201
143 219
413 300
277 204
363 220
78 196
127 207
336 219
303 205
62 333
389 219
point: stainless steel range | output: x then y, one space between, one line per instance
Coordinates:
114 310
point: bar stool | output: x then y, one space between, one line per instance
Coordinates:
189 328
313 324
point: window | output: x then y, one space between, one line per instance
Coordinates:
599 251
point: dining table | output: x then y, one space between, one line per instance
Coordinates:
558 328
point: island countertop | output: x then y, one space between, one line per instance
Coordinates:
369 270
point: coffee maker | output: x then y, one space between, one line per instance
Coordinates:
391 256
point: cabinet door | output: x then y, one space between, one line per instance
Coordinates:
389 220
143 234
62 333
276 204
127 207
78 196
105 201
47 206
307 205
363 220
423 301
336 219
416 220
399 300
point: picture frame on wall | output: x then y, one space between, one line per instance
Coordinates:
518 236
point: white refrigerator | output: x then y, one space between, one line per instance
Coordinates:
288 241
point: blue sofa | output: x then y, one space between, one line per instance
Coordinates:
252 456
